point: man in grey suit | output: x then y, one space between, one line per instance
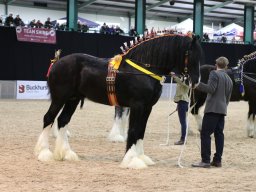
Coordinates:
218 89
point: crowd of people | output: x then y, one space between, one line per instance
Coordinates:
17 21
113 30
10 21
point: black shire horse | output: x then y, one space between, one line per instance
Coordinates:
248 74
77 76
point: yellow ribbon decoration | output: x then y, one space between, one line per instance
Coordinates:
116 61
161 79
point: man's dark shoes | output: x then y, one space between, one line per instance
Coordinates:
216 164
180 142
201 165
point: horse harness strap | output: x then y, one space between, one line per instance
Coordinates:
113 66
157 77
186 62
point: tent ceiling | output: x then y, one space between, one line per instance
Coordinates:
217 11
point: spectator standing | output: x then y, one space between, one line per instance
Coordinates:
79 26
223 38
48 23
9 20
133 32
206 37
18 21
32 24
84 28
63 26
1 21
111 30
39 24
119 30
104 29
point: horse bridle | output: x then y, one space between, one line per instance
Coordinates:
239 73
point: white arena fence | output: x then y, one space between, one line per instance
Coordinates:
39 90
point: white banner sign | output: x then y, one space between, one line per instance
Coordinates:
32 90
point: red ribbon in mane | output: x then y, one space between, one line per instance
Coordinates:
50 67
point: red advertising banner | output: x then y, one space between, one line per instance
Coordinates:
37 35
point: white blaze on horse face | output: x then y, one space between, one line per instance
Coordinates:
62 148
135 157
42 147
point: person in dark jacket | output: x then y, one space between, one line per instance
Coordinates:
48 23
39 24
9 20
218 89
18 21
32 24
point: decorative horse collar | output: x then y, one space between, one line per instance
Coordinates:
113 67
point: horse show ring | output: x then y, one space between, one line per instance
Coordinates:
98 169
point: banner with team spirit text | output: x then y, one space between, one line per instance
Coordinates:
36 35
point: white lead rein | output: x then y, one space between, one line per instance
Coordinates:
168 127
187 120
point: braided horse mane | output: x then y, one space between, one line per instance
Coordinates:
161 51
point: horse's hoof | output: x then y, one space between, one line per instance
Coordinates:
135 163
147 160
71 156
45 155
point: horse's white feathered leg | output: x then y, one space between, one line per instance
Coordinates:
124 125
115 133
42 147
250 127
198 119
55 130
140 150
254 122
62 148
135 157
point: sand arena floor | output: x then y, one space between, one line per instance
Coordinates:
98 168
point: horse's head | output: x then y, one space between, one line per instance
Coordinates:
194 60
168 53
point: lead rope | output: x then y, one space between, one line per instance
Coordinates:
191 108
187 121
168 127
